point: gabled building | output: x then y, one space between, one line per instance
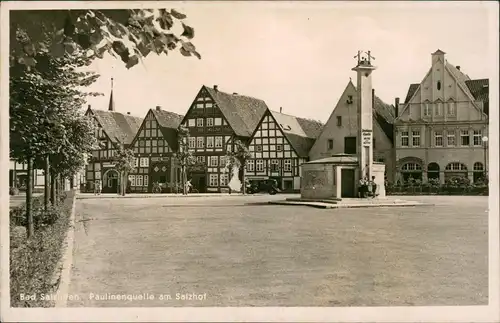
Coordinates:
112 130
154 146
441 124
215 119
279 145
339 135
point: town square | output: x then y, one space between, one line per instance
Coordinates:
269 160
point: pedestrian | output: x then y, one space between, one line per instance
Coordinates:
97 187
374 187
188 186
361 188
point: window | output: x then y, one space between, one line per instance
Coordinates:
218 142
210 122
214 180
136 162
214 161
451 109
146 180
258 148
191 122
287 165
479 172
200 159
224 179
260 165
217 121
439 109
144 162
433 171
200 142
455 167
350 145
438 85
131 178
222 161
478 166
192 142
210 142
199 122
330 144
279 147
411 167
138 180
438 138
405 138
464 137
339 121
274 165
415 138
451 138
427 109
411 170
477 137
250 165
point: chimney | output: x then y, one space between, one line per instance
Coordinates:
281 109
234 93
90 106
158 108
458 67
128 113
216 88
396 106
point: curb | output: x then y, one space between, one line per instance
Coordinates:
66 261
349 206
132 196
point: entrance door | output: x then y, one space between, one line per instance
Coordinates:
347 183
111 183
202 184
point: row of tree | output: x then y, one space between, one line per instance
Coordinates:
48 129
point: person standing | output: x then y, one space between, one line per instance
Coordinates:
374 187
361 188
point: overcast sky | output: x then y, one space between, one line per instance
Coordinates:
299 55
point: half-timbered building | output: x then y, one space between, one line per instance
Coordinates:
215 119
279 145
112 129
154 146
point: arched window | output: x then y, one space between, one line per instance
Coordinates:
433 171
451 108
438 85
455 169
411 170
478 172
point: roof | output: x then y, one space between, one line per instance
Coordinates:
480 91
336 159
169 123
243 113
300 132
120 128
438 52
411 90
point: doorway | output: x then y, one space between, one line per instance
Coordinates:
110 182
347 183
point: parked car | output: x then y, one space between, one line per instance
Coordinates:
269 185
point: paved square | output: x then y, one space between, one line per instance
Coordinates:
265 255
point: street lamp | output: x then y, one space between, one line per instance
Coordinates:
485 146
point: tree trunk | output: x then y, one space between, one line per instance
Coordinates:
124 185
243 179
53 188
30 230
47 183
184 180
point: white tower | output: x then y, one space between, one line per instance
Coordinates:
365 114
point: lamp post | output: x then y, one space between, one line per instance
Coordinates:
485 146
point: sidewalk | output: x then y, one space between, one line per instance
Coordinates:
168 195
350 203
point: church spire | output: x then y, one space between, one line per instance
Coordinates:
111 101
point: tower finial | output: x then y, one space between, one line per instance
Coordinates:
111 106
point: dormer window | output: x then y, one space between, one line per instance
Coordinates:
438 85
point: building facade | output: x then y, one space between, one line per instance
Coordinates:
441 124
154 146
279 145
339 135
18 176
112 129
215 119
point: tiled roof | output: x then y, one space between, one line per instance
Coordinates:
384 114
300 132
460 76
119 127
243 113
480 91
411 90
169 123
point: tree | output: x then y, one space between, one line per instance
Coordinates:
128 34
124 163
184 154
238 157
44 109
